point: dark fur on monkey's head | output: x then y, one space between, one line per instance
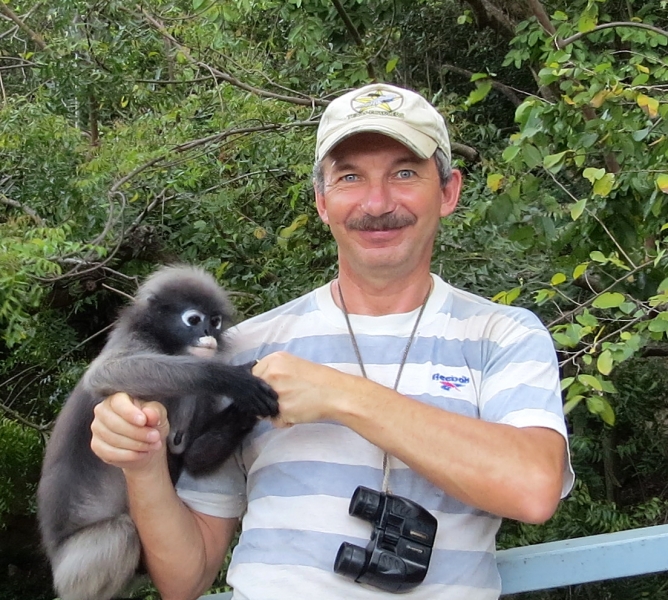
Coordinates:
190 300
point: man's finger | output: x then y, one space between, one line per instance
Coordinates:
127 408
156 416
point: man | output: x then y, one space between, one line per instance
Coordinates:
458 396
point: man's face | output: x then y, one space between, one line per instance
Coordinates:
383 205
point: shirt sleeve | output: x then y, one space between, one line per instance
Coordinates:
521 385
221 493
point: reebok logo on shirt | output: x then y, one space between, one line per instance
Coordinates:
451 382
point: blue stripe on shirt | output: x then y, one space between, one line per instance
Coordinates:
318 550
317 478
472 354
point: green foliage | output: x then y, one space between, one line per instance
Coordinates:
584 174
21 456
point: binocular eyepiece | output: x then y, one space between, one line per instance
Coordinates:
397 557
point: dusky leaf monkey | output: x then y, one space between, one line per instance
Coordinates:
166 346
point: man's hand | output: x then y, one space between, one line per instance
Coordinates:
129 434
307 392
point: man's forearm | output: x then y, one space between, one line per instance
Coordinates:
505 470
174 548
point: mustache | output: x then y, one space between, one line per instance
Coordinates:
381 223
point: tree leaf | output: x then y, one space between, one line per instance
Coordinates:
587 319
601 407
510 152
554 162
532 156
480 93
603 186
572 403
557 278
566 382
587 20
649 105
563 340
391 64
590 381
598 100
608 300
607 414
494 181
604 362
578 208
593 174
507 297
662 182
580 270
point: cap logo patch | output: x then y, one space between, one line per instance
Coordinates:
379 101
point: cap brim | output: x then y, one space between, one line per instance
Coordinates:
417 142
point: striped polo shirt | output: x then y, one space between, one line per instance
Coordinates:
469 356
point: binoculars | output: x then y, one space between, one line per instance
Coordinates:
397 557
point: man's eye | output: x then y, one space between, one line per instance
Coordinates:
349 177
405 173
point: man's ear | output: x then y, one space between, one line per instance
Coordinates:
320 205
450 193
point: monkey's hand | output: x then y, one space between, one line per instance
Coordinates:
258 397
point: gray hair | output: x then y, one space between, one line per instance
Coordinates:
442 165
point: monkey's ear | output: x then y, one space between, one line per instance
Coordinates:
149 301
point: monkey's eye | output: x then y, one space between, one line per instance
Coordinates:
216 321
192 317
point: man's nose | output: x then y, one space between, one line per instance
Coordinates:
378 198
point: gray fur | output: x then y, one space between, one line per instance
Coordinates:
99 562
87 533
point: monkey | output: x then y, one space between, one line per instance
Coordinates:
167 345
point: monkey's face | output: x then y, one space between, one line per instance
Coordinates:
182 327
203 331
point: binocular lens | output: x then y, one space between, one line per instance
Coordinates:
364 503
350 560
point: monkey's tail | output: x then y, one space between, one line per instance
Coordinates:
98 561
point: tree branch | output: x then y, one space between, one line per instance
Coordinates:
489 15
17 417
26 209
176 81
467 152
350 26
577 36
221 74
541 15
33 35
570 313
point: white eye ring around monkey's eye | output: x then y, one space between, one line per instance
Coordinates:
217 321
192 317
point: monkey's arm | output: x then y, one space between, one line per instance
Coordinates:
149 376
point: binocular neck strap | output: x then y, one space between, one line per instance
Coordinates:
386 457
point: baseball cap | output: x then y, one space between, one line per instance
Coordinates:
382 108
